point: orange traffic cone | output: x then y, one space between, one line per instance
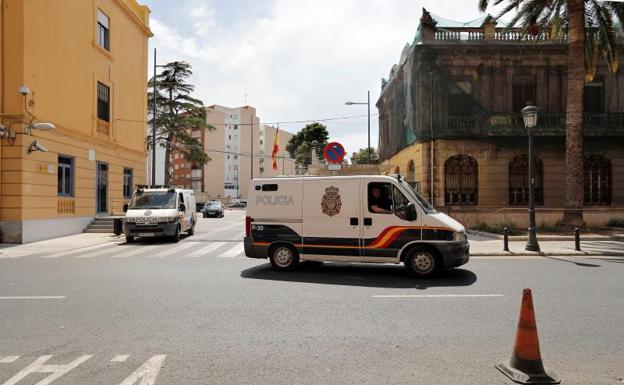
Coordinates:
525 366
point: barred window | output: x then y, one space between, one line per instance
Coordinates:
519 181
461 174
103 106
597 170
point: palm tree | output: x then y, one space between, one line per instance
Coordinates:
591 32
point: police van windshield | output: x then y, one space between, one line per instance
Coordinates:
426 206
143 200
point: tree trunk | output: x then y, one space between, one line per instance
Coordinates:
169 143
573 207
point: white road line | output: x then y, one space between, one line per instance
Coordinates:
8 359
88 248
146 374
438 296
204 250
134 250
55 371
120 358
35 297
221 230
172 249
233 252
107 250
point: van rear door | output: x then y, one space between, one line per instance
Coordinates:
331 219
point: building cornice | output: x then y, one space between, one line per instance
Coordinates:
134 12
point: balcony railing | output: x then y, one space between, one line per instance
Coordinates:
103 127
66 206
510 124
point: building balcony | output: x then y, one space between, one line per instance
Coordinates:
510 124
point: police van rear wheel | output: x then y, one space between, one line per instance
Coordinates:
421 263
284 258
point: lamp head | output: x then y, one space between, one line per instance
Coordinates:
529 114
23 90
43 126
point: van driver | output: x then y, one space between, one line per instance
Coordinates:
379 203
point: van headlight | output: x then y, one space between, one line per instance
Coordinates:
167 219
459 237
130 220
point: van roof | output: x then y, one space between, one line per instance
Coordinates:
338 177
167 189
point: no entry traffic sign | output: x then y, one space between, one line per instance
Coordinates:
334 153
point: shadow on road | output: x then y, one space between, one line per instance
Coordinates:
581 264
390 276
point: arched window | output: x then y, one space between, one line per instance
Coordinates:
597 170
411 171
519 181
461 174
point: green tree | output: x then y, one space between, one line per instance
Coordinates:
177 114
361 157
591 33
300 146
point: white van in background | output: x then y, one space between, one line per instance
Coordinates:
378 219
160 212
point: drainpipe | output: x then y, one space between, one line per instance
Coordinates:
431 134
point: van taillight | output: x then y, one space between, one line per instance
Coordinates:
248 221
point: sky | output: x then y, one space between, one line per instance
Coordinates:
294 59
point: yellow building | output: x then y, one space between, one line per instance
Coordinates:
82 66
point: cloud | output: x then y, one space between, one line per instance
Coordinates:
295 60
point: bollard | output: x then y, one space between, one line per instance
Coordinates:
577 239
505 239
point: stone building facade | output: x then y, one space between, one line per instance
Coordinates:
449 118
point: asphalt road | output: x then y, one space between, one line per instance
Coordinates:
199 312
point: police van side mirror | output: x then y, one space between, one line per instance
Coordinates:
125 208
411 212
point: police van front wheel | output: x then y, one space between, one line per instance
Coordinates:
421 263
284 258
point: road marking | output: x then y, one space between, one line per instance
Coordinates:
146 374
221 230
233 252
137 250
36 297
120 358
8 359
204 250
55 371
438 295
173 249
73 251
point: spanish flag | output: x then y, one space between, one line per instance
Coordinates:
275 149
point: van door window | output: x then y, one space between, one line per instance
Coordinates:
380 198
181 199
400 203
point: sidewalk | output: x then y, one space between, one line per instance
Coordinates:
68 243
479 248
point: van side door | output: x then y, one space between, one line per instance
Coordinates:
386 227
331 219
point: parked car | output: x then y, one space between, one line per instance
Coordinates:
213 209
238 203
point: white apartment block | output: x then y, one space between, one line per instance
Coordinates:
229 147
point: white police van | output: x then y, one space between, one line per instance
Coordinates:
379 219
160 211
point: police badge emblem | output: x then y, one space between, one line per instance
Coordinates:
331 203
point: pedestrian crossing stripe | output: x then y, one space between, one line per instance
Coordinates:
204 250
233 252
185 249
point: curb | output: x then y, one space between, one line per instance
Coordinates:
549 254
547 238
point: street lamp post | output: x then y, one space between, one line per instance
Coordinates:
529 114
368 152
